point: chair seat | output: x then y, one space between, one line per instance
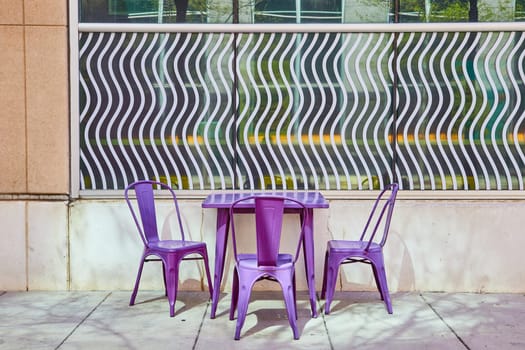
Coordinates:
172 245
351 246
250 261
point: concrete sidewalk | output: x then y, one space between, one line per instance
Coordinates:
103 320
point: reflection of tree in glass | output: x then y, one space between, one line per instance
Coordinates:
437 11
292 11
182 11
461 10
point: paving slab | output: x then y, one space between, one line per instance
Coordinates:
42 320
145 325
483 321
266 326
359 320
104 320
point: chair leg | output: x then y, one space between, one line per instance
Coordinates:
294 294
291 309
379 268
137 282
172 280
323 289
164 278
235 294
331 279
242 308
384 290
207 269
378 283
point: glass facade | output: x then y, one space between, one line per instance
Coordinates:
329 111
301 11
433 111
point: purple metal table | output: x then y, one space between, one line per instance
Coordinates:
223 201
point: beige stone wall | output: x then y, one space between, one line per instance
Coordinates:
34 151
34 90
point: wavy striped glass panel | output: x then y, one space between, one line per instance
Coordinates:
310 110
156 106
460 121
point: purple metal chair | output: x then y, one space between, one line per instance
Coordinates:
365 250
169 252
267 262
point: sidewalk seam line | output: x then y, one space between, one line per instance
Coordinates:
200 326
82 321
324 323
445 322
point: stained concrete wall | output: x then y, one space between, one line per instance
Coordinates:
445 245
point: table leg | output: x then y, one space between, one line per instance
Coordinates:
309 257
221 239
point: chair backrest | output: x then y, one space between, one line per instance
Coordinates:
269 210
145 196
381 213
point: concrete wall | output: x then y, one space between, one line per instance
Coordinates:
445 245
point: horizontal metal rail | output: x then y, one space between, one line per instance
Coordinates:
303 28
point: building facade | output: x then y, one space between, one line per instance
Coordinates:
437 109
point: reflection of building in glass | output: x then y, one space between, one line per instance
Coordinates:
305 11
366 11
